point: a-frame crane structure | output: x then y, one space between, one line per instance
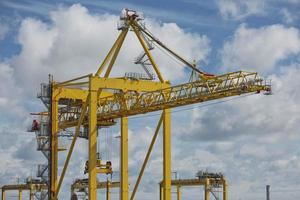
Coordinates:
95 100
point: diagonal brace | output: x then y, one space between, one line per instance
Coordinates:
146 158
77 130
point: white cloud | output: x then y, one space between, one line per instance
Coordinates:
10 102
76 42
252 115
237 10
260 48
260 147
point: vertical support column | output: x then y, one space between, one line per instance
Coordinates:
3 195
178 192
225 188
20 194
54 145
108 190
161 192
92 140
31 194
167 154
206 189
124 158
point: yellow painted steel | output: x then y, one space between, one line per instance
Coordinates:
20 194
146 158
161 192
117 50
189 93
124 159
106 59
76 134
130 85
3 195
54 146
75 93
206 189
108 190
82 184
31 187
225 190
208 183
167 154
178 191
92 131
149 55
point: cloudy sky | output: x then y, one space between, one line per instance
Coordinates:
253 140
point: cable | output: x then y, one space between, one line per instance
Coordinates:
168 54
200 106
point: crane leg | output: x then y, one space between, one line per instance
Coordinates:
225 187
124 158
20 194
161 192
167 155
54 148
3 195
206 189
178 193
92 140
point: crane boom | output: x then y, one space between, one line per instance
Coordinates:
129 103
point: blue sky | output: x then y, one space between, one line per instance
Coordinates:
253 140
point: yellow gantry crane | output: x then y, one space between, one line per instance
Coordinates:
80 185
37 189
89 102
210 181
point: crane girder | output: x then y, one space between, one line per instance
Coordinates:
127 103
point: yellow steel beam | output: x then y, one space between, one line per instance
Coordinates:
20 194
195 92
37 186
75 93
195 182
124 159
167 154
180 58
129 85
161 192
146 158
178 191
108 190
106 59
149 55
77 131
207 182
113 59
72 80
206 189
3 195
225 189
92 130
79 184
54 147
